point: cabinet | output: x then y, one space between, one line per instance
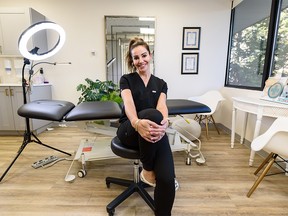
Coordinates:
11 98
13 21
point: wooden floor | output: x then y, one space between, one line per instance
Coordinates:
218 187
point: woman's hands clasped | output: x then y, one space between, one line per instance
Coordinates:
151 131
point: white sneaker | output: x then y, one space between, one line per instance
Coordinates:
176 185
146 181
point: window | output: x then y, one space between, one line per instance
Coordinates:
252 51
281 52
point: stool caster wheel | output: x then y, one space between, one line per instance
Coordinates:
111 212
108 184
188 160
82 173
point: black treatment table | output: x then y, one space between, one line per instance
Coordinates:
57 110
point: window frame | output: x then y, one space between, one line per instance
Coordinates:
275 13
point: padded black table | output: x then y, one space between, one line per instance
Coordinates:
52 110
183 106
57 110
94 110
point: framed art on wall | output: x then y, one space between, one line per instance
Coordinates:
191 38
189 64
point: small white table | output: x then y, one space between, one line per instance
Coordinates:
258 107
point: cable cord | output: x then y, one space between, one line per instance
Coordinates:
56 161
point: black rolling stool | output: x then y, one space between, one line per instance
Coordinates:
135 185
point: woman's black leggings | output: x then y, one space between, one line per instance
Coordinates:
154 156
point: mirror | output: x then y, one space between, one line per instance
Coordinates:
119 30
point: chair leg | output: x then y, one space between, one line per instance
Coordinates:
120 198
215 124
206 125
260 178
264 163
201 118
118 181
146 197
133 186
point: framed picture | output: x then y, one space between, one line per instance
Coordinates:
191 38
189 64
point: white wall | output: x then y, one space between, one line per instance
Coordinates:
213 17
84 25
83 22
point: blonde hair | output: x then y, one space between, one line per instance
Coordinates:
132 44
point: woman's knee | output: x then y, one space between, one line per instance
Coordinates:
151 114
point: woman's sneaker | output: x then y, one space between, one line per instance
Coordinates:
176 185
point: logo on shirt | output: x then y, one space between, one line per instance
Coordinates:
153 91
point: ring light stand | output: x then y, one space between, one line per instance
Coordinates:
34 55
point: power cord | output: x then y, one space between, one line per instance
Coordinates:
56 161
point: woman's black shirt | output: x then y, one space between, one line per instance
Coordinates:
144 96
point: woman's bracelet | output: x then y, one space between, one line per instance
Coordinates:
136 124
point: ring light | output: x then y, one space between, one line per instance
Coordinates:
34 55
29 32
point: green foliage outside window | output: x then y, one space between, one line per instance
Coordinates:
248 50
281 52
247 55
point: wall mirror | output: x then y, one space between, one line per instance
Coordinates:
119 30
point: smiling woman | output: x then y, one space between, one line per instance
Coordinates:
119 30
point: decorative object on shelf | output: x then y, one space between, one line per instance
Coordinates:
191 38
99 91
189 63
276 90
38 78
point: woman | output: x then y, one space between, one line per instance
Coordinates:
143 123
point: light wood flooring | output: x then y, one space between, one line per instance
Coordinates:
218 187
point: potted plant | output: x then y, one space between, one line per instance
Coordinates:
99 91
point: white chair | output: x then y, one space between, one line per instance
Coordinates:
213 100
275 142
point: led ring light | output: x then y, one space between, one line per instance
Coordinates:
29 32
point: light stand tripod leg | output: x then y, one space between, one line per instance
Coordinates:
39 142
24 144
27 139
